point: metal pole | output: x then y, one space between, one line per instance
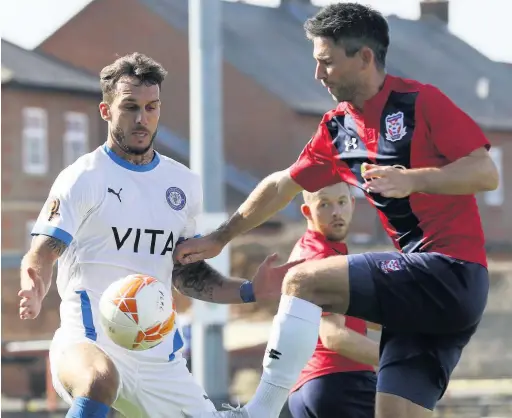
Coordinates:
209 359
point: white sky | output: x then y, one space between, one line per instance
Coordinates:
485 24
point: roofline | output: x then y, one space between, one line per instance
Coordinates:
17 85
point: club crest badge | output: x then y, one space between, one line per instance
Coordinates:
53 208
389 266
395 128
176 198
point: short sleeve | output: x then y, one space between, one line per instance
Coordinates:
193 212
452 131
315 167
68 203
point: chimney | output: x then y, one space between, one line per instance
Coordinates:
437 8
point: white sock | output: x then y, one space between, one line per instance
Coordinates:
291 344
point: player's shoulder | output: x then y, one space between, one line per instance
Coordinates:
84 170
409 85
179 169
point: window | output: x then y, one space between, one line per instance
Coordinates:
28 230
76 137
496 197
35 141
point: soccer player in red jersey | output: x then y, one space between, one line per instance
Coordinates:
420 159
339 379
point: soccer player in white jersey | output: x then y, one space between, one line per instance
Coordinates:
120 210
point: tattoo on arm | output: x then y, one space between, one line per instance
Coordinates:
54 244
227 230
197 280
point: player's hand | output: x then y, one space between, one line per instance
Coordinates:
268 279
388 181
197 249
31 299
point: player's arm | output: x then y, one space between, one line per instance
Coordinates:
201 281
270 196
461 141
40 258
313 170
468 167
337 337
471 174
70 199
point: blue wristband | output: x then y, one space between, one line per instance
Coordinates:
247 292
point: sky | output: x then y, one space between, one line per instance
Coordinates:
485 24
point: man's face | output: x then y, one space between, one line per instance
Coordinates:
133 115
330 211
341 75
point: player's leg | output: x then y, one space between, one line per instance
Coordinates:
89 378
417 293
294 332
411 382
347 395
440 298
297 406
169 390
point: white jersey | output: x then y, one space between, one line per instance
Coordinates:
117 219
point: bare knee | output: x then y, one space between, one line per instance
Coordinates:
393 406
86 371
322 282
299 282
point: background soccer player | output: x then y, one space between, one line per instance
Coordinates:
339 379
424 159
120 210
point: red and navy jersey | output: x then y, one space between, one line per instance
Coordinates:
413 125
313 246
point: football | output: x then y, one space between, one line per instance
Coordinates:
137 312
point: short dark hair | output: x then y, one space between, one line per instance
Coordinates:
137 65
354 26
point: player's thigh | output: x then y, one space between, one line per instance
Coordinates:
419 292
169 389
323 282
392 406
348 395
80 368
416 370
297 406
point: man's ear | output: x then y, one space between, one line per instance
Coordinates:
306 211
105 111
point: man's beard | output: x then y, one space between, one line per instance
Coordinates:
120 140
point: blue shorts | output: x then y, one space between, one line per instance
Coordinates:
429 305
346 395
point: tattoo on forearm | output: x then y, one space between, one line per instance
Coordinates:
197 280
55 244
225 231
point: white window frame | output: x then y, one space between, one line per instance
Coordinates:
35 140
75 136
29 226
496 197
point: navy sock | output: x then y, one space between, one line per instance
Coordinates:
87 408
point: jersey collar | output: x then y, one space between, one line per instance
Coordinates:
130 166
374 103
339 247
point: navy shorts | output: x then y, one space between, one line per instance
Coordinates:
345 395
429 306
